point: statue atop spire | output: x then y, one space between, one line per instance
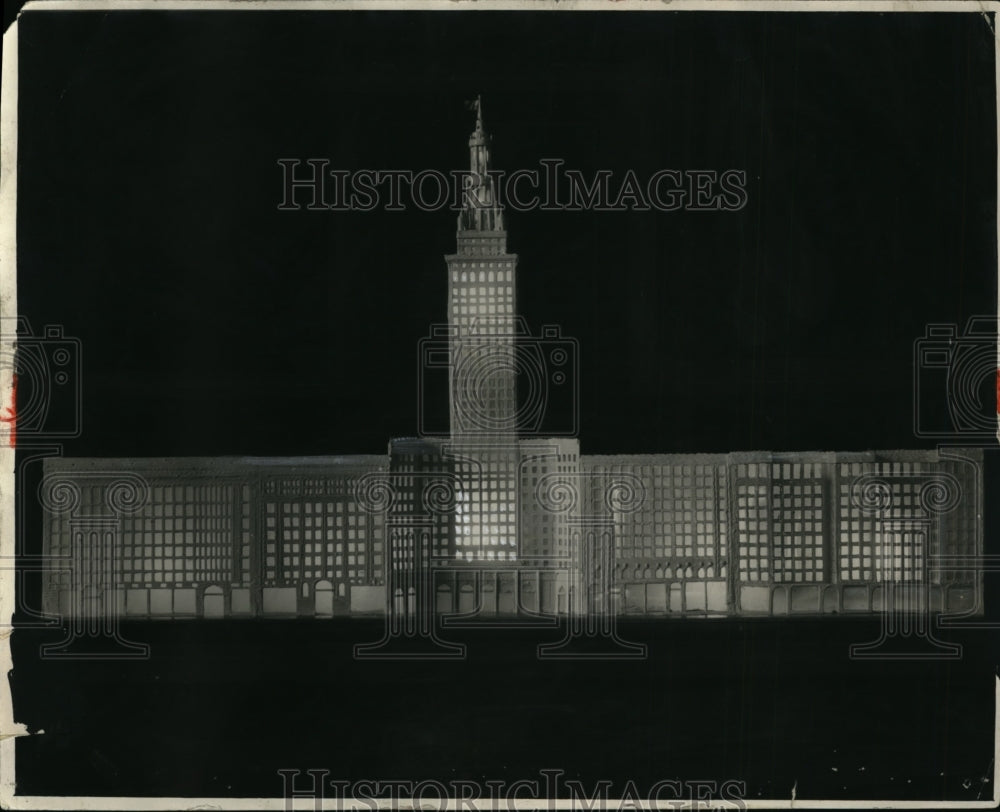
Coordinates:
478 104
480 210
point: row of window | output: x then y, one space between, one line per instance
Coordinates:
782 529
504 274
313 486
671 571
681 474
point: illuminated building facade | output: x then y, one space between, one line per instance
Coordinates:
760 533
494 521
483 365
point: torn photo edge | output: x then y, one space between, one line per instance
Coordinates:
9 728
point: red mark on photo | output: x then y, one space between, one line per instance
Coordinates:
10 412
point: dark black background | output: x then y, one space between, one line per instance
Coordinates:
211 323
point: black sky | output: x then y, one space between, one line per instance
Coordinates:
212 323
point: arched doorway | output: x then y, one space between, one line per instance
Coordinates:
214 602
466 599
444 599
507 603
324 599
488 596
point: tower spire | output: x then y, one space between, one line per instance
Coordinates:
480 209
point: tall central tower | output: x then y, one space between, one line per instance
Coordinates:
483 375
481 307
